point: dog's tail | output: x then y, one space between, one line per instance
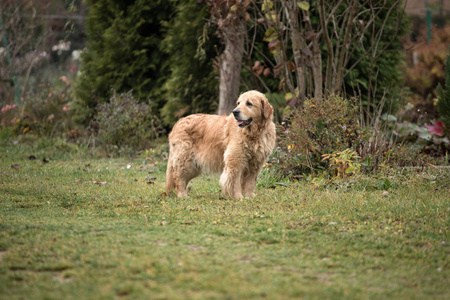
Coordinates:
170 183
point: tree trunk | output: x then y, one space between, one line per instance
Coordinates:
316 58
298 43
230 66
346 45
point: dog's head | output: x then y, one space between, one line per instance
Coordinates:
252 107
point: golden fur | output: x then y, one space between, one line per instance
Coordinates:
235 146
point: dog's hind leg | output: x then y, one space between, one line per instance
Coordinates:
170 182
181 168
185 174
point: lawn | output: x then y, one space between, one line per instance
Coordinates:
78 227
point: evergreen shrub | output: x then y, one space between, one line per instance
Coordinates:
192 85
123 53
443 103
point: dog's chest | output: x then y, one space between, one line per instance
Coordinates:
256 151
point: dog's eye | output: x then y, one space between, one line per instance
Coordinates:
249 104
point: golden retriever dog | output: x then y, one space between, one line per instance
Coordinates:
235 146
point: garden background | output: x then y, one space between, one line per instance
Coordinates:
353 202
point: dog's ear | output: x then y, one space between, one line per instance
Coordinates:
266 109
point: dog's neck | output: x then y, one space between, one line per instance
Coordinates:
253 131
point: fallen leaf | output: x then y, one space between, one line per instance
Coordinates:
99 182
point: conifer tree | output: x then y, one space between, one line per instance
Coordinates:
443 103
123 54
192 85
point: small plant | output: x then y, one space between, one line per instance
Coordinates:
344 162
270 178
124 125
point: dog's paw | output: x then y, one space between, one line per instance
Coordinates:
249 196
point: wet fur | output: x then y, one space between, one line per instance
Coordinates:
211 143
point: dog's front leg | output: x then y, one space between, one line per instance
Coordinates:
249 184
230 181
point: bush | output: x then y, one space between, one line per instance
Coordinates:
327 135
125 125
425 68
321 127
46 113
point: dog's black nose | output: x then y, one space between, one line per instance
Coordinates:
236 112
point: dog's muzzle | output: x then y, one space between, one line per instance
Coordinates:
241 123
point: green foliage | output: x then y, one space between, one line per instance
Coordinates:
192 85
321 127
443 103
124 124
6 133
123 53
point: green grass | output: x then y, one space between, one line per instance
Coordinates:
62 236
